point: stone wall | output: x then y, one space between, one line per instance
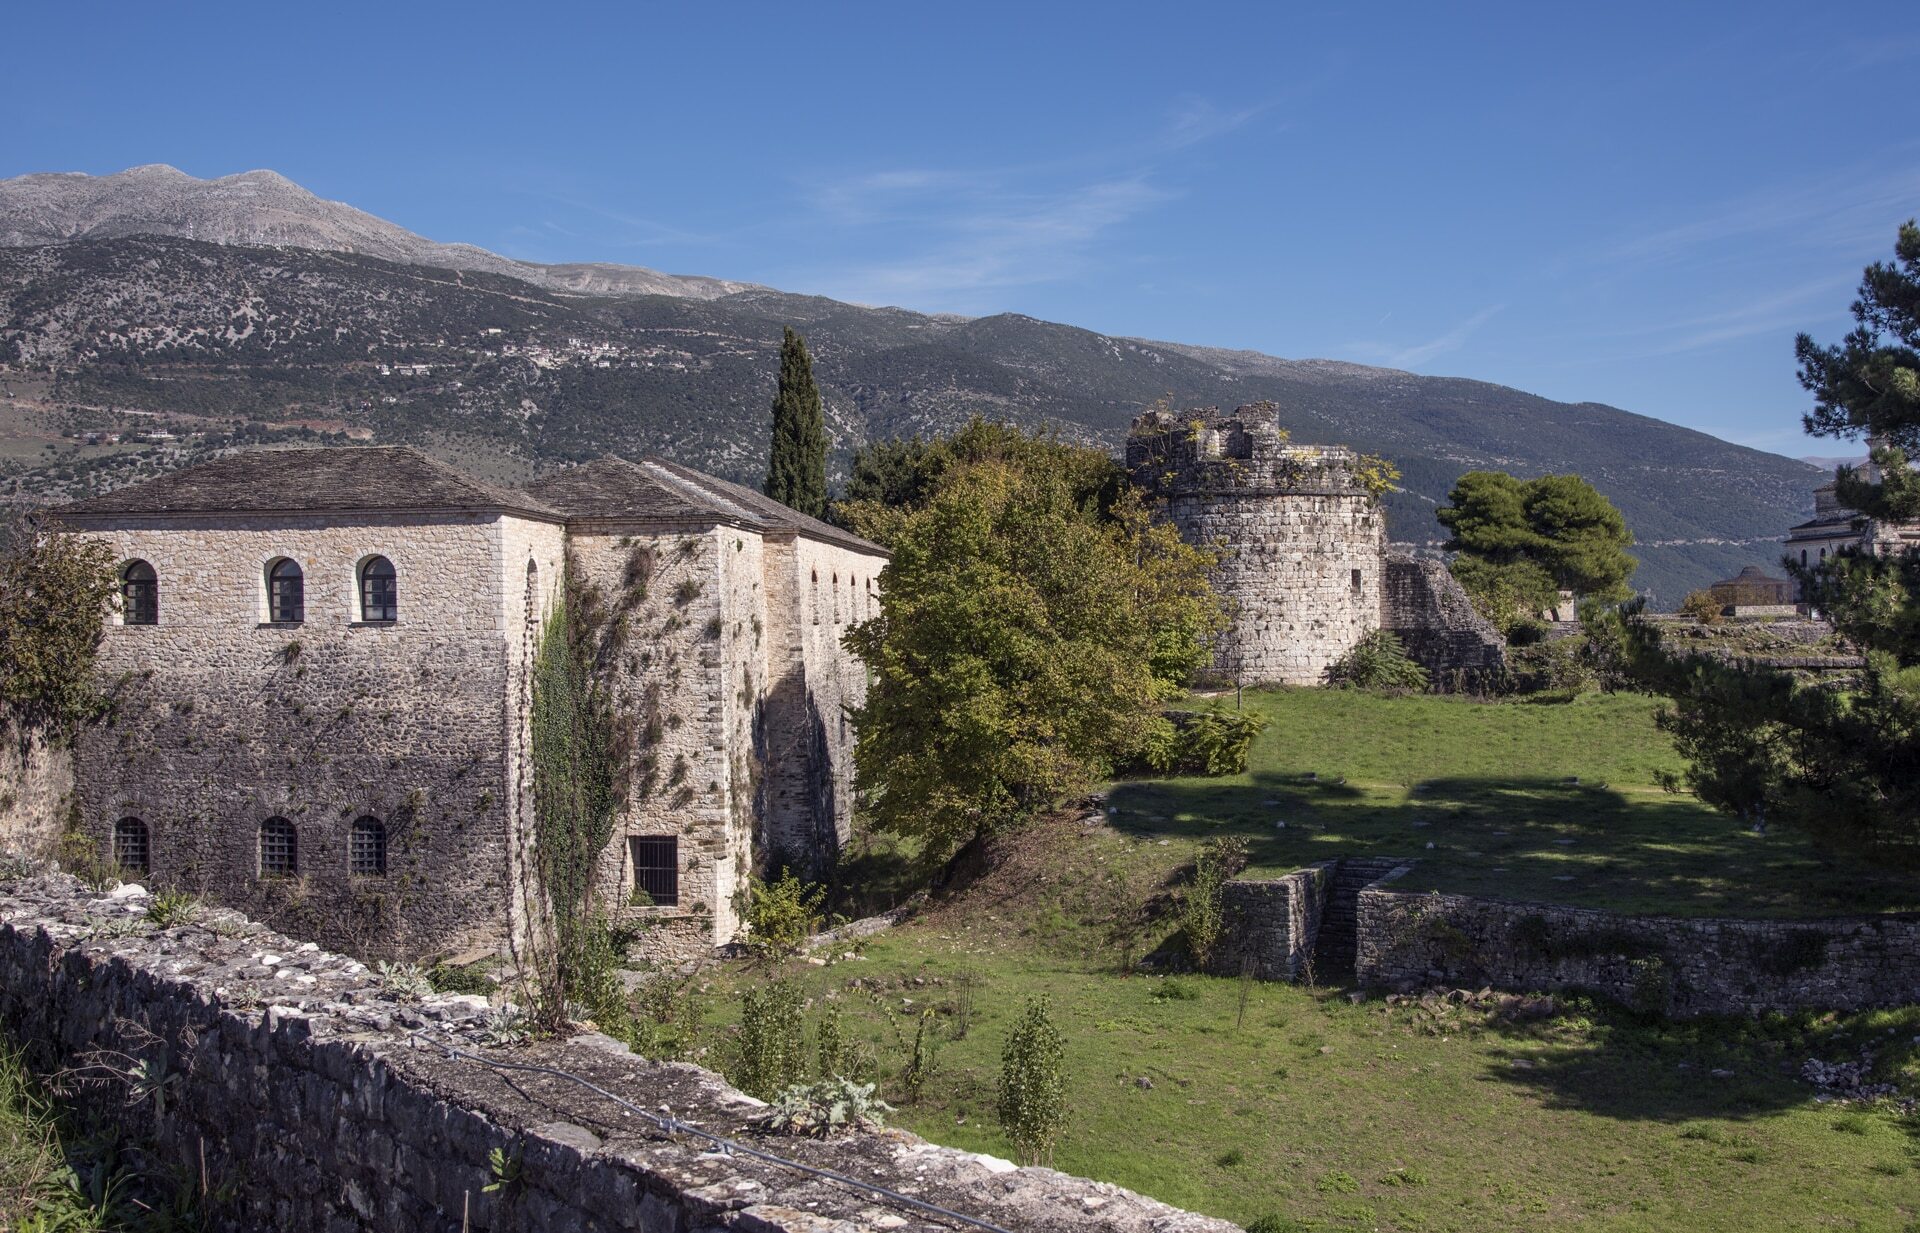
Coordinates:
314 1099
816 592
1272 922
1678 965
673 604
1302 537
1423 605
223 719
36 787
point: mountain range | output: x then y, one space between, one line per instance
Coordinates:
248 310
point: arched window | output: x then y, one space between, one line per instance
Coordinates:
367 846
139 594
279 849
130 848
1803 556
379 591
286 593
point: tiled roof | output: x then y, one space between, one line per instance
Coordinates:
657 490
334 480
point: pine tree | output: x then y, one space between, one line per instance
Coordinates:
797 459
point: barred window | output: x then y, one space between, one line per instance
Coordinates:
286 593
379 591
130 848
279 849
367 846
139 594
656 869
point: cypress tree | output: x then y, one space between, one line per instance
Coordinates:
797 459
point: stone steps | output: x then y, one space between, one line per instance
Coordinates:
1335 944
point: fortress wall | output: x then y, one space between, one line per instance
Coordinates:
310 1097
1302 539
816 592
1423 605
36 787
222 720
1676 965
677 594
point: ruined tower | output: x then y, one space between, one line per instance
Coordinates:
1302 538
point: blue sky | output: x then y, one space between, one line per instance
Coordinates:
1631 204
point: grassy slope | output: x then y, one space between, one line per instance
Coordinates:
1492 788
1339 1115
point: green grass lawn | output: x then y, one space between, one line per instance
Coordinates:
1518 800
1299 1103
1336 1115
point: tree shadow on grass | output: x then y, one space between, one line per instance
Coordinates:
1606 1060
1525 838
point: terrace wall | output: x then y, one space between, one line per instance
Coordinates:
1676 965
1273 922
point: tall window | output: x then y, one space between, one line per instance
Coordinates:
279 849
139 594
286 593
656 869
379 592
367 846
130 848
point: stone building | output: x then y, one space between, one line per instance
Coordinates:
1834 527
1304 566
321 669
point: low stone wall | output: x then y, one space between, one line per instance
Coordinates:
1676 965
1272 921
314 1098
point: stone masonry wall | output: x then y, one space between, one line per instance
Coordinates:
675 598
1302 538
36 787
1678 965
1273 922
815 593
1424 606
223 719
314 1099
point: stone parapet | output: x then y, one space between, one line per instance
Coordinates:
1271 923
315 1098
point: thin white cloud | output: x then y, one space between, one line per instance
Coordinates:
1838 209
1452 340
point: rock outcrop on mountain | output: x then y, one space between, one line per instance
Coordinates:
260 208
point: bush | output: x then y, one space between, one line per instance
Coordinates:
781 915
1033 1091
666 1017
1378 664
1200 916
1702 607
1559 666
772 1056
924 1059
1210 742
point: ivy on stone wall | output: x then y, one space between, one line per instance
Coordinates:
574 775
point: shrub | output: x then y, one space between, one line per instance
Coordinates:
1032 1106
1702 607
772 1056
1210 742
1378 664
830 1106
1200 916
781 915
666 1016
829 1045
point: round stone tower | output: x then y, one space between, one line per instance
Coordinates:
1302 538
